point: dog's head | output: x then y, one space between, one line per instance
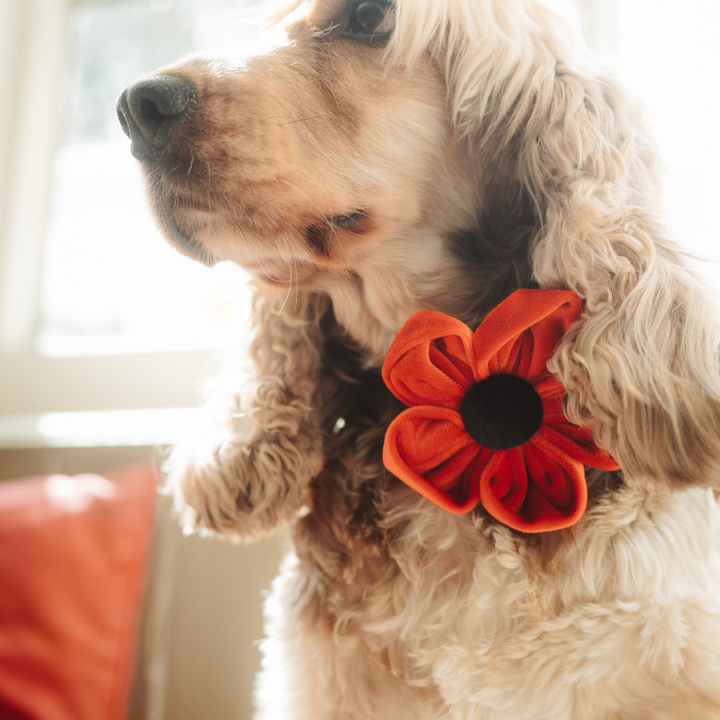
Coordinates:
338 161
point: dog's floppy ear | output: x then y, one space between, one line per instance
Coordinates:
641 367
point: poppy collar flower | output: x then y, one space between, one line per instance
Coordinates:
485 421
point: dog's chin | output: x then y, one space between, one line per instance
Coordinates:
276 272
291 280
183 239
189 246
193 238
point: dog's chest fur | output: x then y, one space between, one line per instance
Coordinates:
384 585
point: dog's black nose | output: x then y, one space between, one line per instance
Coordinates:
149 110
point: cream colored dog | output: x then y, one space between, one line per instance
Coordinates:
395 156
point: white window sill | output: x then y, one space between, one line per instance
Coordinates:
102 428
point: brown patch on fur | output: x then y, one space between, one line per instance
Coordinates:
319 237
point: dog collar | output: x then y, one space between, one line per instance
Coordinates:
485 421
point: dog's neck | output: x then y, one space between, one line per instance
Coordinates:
374 303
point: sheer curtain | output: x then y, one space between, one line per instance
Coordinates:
668 54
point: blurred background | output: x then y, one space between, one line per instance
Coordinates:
107 334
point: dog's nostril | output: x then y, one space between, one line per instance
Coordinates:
150 113
155 100
149 110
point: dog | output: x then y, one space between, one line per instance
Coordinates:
389 157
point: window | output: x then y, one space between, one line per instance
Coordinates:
668 55
95 308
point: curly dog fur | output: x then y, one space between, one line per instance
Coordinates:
457 151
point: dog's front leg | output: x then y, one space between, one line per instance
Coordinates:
253 469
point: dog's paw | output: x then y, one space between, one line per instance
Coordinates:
244 480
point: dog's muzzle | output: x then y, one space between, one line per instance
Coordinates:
149 110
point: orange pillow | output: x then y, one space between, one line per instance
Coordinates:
73 558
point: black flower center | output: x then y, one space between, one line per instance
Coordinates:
502 412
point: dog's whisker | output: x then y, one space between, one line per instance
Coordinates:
287 295
314 117
322 213
320 186
297 283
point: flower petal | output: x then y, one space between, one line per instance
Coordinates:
430 361
519 335
509 484
548 388
534 492
575 441
557 495
428 449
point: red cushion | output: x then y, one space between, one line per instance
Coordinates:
73 557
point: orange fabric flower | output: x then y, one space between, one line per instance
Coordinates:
485 422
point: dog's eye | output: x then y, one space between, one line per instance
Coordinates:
371 18
347 222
